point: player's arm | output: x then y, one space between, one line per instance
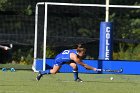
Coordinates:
78 60
4 47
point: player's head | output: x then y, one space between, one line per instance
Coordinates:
81 52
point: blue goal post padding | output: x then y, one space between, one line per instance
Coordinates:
129 67
106 39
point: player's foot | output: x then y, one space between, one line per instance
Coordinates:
79 80
39 76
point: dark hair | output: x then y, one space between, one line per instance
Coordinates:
80 46
81 49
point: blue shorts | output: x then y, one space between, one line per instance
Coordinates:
61 59
59 62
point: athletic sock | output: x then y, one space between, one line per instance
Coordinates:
75 73
45 72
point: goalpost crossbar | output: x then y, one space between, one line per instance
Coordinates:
95 5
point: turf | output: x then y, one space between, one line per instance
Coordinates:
24 82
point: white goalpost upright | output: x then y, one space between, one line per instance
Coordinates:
107 6
107 11
35 39
45 35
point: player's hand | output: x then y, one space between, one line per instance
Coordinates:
95 69
6 48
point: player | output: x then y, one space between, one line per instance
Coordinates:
5 54
6 47
71 57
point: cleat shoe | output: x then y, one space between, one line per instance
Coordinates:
39 76
79 80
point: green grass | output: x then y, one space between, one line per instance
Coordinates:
16 66
24 82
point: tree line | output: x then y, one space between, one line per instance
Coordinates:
84 23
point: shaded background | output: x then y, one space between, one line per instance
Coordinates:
67 26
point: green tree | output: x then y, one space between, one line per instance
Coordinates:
3 4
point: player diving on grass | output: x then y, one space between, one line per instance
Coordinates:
71 57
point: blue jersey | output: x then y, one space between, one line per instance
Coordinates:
64 57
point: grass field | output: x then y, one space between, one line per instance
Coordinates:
25 82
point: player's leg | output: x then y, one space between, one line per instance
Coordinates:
75 71
51 71
48 71
56 67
